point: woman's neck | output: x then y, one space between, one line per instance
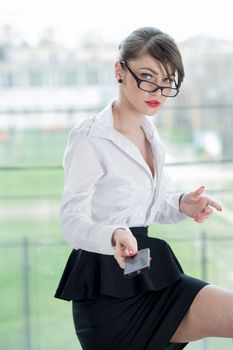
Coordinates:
126 120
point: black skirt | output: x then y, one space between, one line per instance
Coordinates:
117 313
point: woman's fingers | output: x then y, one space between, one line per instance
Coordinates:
198 192
206 211
214 204
120 257
198 220
126 245
204 214
121 261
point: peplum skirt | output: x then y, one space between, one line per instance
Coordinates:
117 313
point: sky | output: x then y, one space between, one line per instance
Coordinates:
111 21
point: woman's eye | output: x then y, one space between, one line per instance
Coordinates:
146 76
168 80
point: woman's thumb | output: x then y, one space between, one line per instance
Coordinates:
199 191
131 249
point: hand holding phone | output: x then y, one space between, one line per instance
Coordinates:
138 263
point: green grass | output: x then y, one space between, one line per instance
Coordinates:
33 147
31 182
178 138
50 319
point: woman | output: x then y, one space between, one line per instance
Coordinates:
114 189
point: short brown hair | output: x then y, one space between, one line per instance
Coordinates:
157 44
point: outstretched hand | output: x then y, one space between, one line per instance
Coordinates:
198 206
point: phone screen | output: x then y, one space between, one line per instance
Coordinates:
138 263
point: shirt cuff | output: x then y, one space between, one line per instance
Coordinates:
174 201
106 239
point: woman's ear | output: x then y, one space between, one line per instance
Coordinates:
118 72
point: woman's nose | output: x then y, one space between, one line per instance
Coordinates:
157 92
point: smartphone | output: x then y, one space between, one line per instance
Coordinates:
138 263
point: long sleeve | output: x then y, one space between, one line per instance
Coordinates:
169 212
82 171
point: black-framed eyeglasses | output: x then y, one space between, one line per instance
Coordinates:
148 86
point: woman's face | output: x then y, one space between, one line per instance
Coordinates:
146 68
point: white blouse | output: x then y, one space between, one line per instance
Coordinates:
108 184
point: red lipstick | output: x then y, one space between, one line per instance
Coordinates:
153 103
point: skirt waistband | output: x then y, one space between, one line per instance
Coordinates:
139 230
90 275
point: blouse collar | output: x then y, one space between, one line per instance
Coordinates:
102 127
